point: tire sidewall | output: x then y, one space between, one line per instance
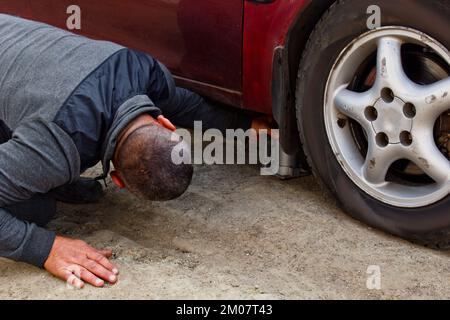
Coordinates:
344 23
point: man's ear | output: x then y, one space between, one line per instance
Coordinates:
166 123
117 180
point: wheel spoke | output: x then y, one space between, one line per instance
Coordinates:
378 162
433 100
353 104
390 72
425 154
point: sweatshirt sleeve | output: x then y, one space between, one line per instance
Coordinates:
38 158
22 241
184 107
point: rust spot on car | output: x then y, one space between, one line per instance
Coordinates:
431 99
384 67
372 163
424 162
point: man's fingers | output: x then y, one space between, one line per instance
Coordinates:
100 271
101 259
71 276
90 278
106 253
75 282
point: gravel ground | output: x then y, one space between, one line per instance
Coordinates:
233 235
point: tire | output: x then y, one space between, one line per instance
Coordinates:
344 22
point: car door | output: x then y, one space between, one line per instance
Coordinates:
17 8
199 40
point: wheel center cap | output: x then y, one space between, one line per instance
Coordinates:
391 119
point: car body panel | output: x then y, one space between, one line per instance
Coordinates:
221 49
266 27
201 44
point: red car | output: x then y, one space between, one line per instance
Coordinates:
359 88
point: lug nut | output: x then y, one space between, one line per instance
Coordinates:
387 95
406 138
382 139
371 114
409 110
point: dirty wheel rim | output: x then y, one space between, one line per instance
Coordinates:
396 115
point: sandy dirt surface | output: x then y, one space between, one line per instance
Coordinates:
236 234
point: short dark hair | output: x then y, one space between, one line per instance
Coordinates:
144 162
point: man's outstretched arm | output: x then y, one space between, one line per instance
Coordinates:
26 169
20 240
38 158
185 107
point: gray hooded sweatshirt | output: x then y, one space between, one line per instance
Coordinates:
66 98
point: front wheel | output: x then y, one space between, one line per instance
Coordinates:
374 114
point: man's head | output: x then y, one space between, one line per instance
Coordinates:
143 160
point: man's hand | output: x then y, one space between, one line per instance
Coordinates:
264 123
76 262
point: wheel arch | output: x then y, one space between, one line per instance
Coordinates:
285 70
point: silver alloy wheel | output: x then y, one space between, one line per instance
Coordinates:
397 116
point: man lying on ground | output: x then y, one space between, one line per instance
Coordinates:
67 103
